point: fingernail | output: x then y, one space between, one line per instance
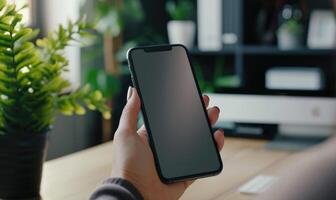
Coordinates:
129 92
221 130
217 108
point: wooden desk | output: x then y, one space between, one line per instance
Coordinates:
75 176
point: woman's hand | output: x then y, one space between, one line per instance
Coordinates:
133 159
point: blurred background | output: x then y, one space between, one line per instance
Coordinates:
269 64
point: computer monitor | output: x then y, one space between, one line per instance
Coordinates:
295 115
291 89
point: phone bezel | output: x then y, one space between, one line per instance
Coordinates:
164 179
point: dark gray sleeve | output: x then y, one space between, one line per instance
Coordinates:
116 189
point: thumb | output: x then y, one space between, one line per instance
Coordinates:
129 116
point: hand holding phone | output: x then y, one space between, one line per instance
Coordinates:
133 159
179 130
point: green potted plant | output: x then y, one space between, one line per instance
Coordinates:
290 35
218 80
32 91
181 28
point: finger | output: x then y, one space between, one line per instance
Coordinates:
129 116
142 128
219 137
188 183
144 137
180 187
142 132
213 114
206 100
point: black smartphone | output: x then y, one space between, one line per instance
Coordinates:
180 134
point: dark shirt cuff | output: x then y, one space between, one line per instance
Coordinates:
116 189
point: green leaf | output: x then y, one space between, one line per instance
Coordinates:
4 68
5 59
25 55
66 107
182 10
29 61
2 4
5 43
10 10
4 27
16 20
26 35
6 91
79 110
6 38
29 36
70 26
41 42
7 80
61 32
7 53
27 46
6 19
7 102
22 33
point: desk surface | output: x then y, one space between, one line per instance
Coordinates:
75 176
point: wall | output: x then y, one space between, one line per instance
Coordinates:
57 12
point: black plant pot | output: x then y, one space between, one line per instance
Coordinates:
21 162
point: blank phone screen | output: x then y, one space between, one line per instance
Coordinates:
181 135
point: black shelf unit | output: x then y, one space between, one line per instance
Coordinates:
249 59
223 51
273 50
263 50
